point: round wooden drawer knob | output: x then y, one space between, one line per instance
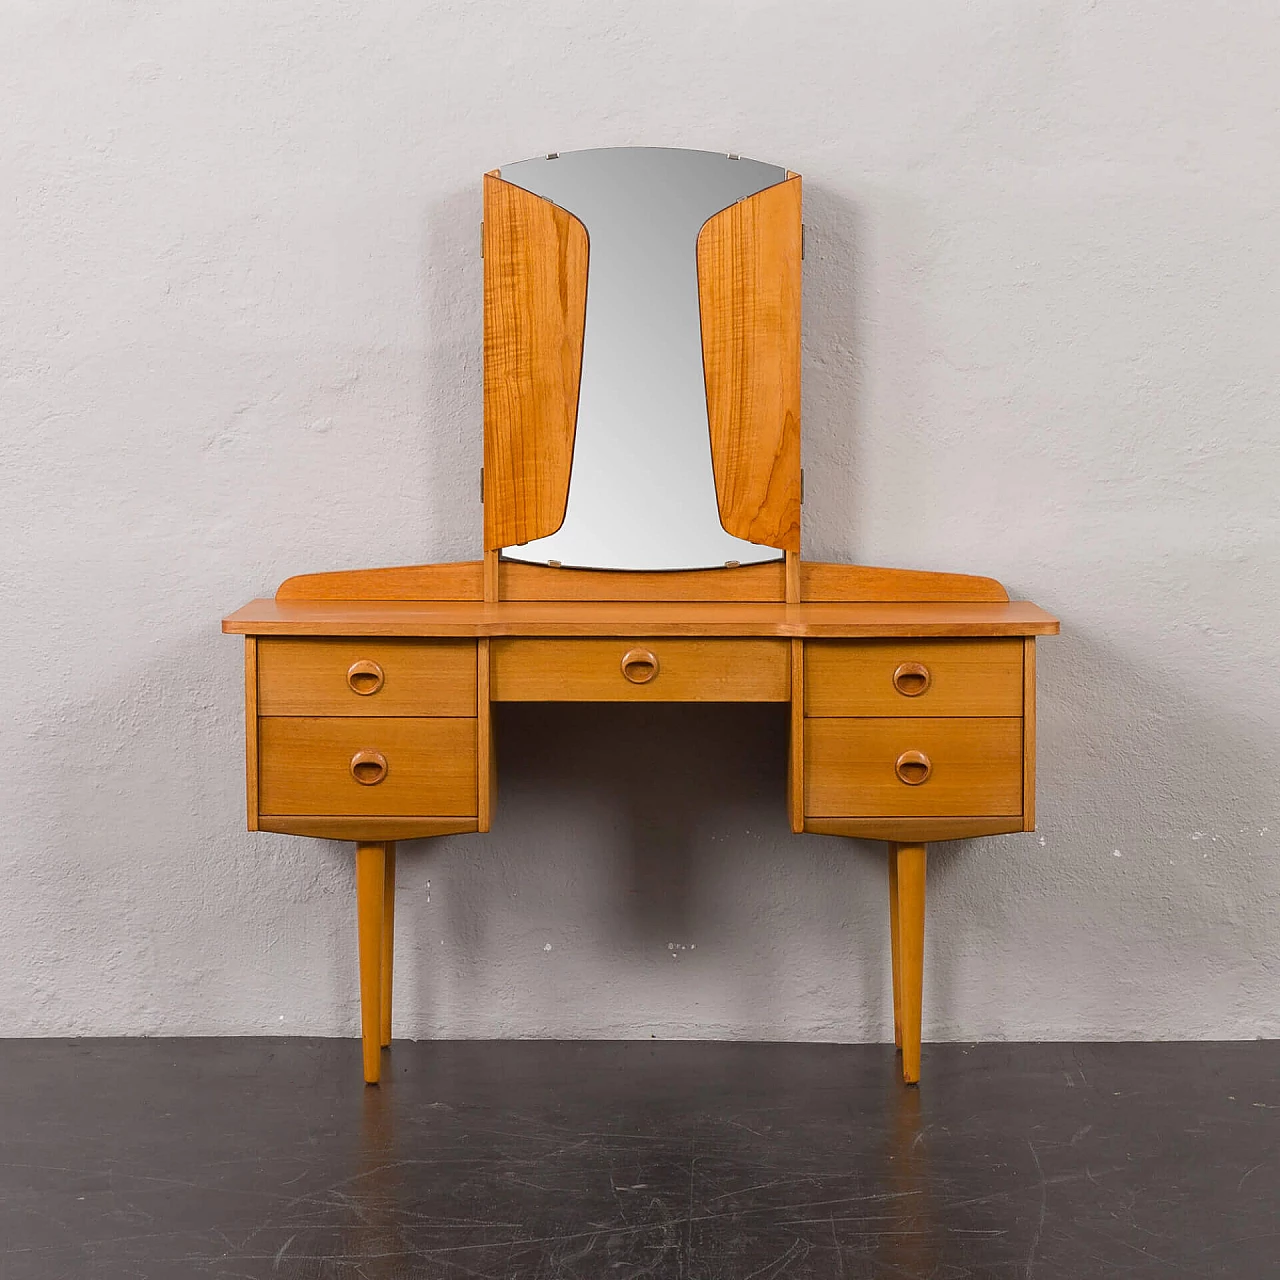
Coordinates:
639 665
911 679
368 768
913 768
365 677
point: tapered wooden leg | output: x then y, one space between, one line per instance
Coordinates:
909 860
370 904
388 936
895 950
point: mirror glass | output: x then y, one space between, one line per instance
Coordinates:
642 491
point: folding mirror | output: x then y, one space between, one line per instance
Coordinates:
642 310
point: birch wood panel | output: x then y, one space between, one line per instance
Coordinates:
313 677
749 294
669 670
306 766
877 677
974 767
535 299
642 617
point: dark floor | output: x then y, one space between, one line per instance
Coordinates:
238 1158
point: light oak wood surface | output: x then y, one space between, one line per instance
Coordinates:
305 766
795 744
486 755
919 830
251 729
535 298
957 678
906 908
791 578
512 580
976 771
673 618
370 908
460 581
378 827
1029 734
312 677
491 582
591 670
749 300
820 581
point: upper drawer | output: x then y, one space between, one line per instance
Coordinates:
366 677
913 677
663 670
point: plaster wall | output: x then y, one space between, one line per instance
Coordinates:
240 315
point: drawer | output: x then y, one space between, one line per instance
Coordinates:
912 767
662 670
410 767
913 677
366 677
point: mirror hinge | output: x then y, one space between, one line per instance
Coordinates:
802 486
482 485
482 241
802 242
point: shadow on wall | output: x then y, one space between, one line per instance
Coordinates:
623 830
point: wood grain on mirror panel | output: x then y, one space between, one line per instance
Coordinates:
535 297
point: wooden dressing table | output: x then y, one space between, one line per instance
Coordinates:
369 693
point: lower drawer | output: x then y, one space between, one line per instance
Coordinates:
912 767
367 766
660 670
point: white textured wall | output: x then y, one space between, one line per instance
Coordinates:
240 312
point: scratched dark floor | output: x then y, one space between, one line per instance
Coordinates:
248 1158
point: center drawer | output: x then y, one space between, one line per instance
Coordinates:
648 670
360 766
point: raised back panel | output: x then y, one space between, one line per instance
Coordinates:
749 298
535 300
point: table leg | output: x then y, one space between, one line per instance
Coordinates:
388 936
895 947
909 866
370 904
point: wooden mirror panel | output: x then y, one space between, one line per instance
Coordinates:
749 298
535 302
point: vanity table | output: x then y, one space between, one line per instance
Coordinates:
642 492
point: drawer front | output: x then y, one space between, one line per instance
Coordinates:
913 677
366 677
912 767
661 670
411 767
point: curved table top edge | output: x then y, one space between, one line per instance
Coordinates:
472 619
